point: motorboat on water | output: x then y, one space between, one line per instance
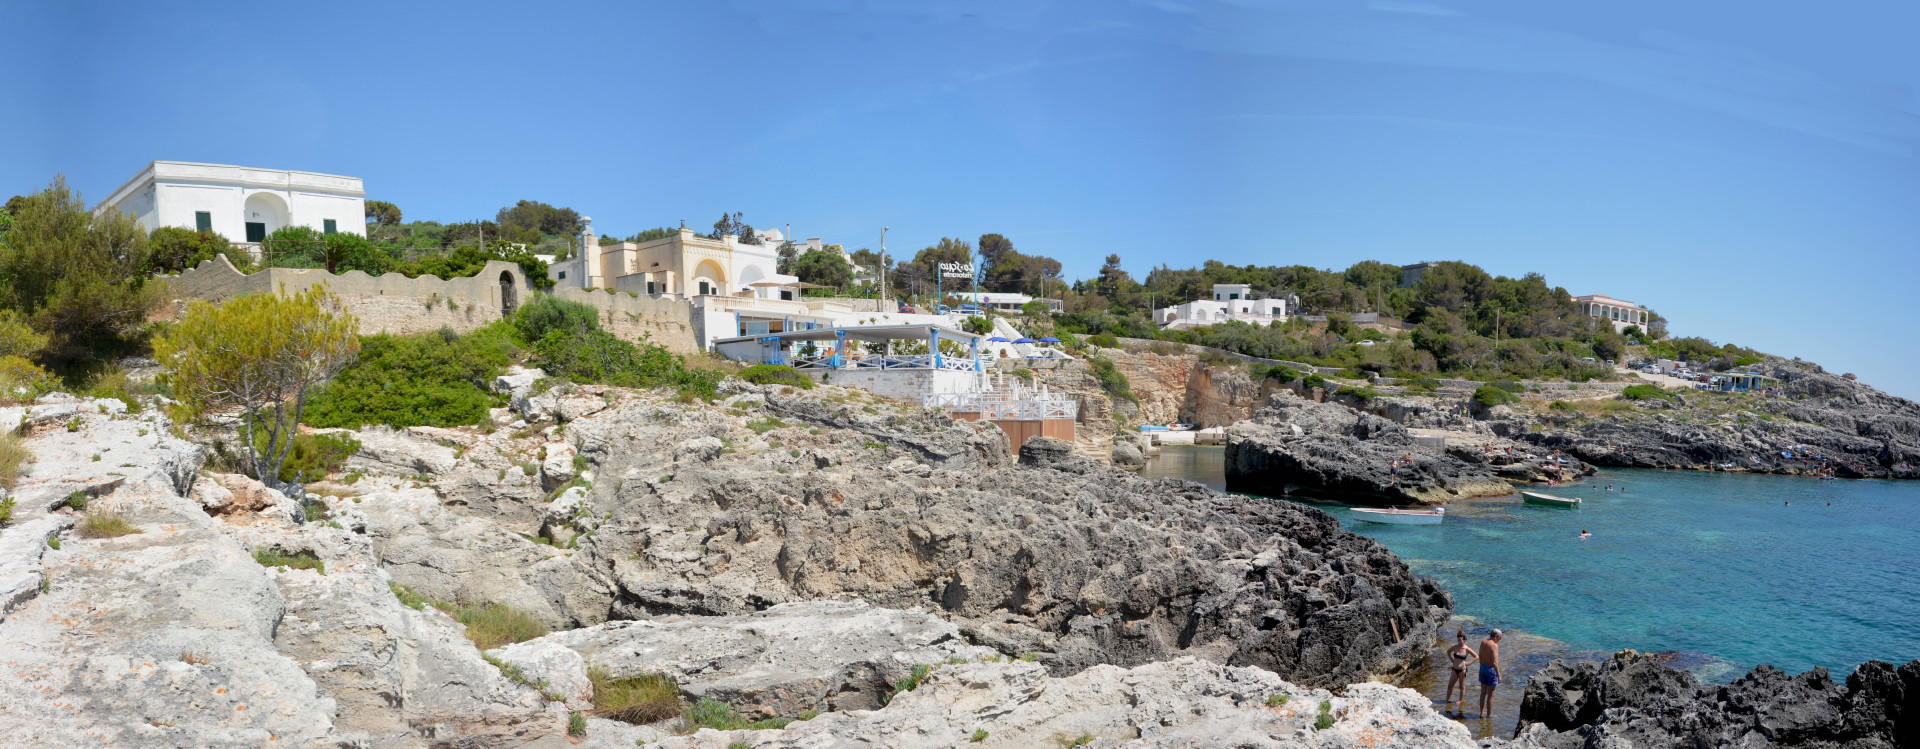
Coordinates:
1400 517
1549 500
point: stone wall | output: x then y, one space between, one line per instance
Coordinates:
394 303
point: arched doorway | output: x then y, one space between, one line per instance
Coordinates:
508 301
264 213
709 278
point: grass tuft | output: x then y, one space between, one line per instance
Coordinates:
13 455
299 560
909 682
720 716
643 699
496 624
577 724
102 525
407 597
1277 700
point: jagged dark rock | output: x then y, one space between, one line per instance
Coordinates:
1298 446
1634 699
1830 424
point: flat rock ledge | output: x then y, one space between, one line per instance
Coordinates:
1185 702
786 660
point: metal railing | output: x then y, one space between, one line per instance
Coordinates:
878 361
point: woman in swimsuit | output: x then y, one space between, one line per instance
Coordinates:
1459 656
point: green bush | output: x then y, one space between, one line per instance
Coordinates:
909 682
576 724
1275 372
546 313
1111 379
1325 720
312 456
1646 392
1560 406
431 379
22 381
14 453
6 510
1510 386
1314 381
776 374
1023 373
1488 396
1745 361
1362 393
1103 340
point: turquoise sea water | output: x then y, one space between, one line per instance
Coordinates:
1714 564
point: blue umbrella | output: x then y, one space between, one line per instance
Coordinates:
1023 340
997 339
1049 339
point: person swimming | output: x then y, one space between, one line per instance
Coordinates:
1585 534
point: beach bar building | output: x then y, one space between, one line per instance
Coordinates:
930 365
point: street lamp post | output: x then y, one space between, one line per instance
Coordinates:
883 262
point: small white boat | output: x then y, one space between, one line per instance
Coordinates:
1400 517
1549 500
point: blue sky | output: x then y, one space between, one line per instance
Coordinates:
1746 170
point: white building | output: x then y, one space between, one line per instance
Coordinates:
1620 312
681 264
241 203
1231 301
1005 301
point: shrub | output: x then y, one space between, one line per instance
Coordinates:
173 249
1560 406
1275 372
13 454
1646 392
1023 373
300 560
495 624
1488 396
576 724
17 337
1314 381
546 313
103 525
776 374
640 700
1362 393
1746 361
312 456
597 356
1103 340
6 510
432 379
22 381
1111 379
1325 719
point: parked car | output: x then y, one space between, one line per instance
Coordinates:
970 308
942 309
907 310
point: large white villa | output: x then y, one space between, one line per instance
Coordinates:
241 203
1620 312
1231 301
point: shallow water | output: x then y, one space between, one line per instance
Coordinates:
1718 566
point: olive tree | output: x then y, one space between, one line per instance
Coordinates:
260 354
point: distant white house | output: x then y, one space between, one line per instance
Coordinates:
1620 312
1005 301
1231 301
241 203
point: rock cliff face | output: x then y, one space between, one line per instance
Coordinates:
1171 388
1830 425
1330 450
1634 700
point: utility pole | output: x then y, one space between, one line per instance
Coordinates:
883 263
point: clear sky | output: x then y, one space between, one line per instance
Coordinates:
1746 169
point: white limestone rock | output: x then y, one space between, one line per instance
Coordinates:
403 452
794 657
557 468
1181 703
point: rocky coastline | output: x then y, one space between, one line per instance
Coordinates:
719 544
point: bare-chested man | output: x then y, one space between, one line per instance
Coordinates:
1489 671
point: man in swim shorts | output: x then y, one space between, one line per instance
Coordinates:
1489 671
